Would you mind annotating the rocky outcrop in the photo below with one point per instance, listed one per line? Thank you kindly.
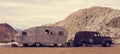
(102, 19)
(115, 22)
(6, 32)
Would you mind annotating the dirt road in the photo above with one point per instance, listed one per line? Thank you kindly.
(60, 50)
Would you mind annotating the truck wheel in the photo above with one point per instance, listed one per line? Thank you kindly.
(84, 44)
(25, 45)
(107, 44)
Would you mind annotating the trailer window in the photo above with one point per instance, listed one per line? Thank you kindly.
(60, 33)
(47, 31)
(52, 33)
(24, 33)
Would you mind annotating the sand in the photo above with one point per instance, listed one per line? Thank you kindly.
(60, 50)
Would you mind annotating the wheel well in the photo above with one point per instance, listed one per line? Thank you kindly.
(104, 42)
(108, 41)
(84, 42)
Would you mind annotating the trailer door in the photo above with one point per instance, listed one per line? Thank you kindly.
(53, 37)
(42, 35)
(61, 37)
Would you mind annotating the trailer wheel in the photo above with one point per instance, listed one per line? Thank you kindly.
(14, 45)
(38, 44)
(25, 45)
(55, 45)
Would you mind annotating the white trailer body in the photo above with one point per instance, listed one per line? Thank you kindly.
(42, 35)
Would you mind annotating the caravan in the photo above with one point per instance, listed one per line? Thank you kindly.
(42, 35)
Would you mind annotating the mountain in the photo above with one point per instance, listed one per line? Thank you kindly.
(6, 32)
(102, 19)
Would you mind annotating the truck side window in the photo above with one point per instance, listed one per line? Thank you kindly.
(60, 33)
(98, 34)
(95, 35)
(47, 31)
(24, 33)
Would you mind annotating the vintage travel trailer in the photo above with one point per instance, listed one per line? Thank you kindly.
(42, 35)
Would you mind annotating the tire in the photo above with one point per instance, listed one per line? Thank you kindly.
(107, 44)
(37, 44)
(84, 44)
(55, 45)
(14, 45)
(25, 45)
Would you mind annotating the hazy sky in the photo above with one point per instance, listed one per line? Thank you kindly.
(23, 14)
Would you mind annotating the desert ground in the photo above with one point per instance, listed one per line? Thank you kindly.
(61, 50)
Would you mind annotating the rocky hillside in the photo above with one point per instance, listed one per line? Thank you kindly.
(6, 32)
(103, 19)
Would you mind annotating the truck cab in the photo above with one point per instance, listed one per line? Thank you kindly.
(85, 38)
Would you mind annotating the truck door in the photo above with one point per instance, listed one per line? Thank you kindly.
(97, 38)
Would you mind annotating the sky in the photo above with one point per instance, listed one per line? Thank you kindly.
(22, 14)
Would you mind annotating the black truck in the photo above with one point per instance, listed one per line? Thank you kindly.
(85, 38)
